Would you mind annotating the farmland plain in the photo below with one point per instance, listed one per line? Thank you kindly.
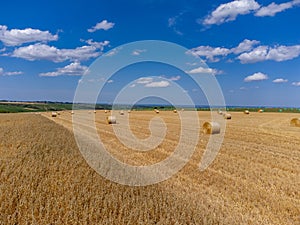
(255, 178)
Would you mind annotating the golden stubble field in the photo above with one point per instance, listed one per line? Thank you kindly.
(255, 178)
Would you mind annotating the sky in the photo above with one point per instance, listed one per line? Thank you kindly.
(251, 47)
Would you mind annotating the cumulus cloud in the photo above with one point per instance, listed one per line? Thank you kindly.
(213, 53)
(296, 84)
(273, 8)
(15, 37)
(263, 53)
(110, 81)
(150, 82)
(144, 80)
(280, 80)
(203, 70)
(103, 25)
(13, 73)
(256, 77)
(175, 78)
(73, 69)
(245, 46)
(248, 52)
(209, 53)
(258, 54)
(51, 53)
(229, 11)
(138, 51)
(162, 83)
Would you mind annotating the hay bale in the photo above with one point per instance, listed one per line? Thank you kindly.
(121, 112)
(211, 128)
(227, 116)
(128, 111)
(72, 112)
(175, 111)
(54, 114)
(105, 111)
(156, 111)
(246, 112)
(220, 112)
(111, 119)
(295, 122)
(261, 111)
(182, 109)
(58, 113)
(95, 111)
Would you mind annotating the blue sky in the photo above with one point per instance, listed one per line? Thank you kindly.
(252, 47)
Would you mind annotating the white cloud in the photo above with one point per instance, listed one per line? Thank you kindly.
(172, 23)
(209, 52)
(244, 46)
(296, 84)
(203, 70)
(229, 11)
(13, 73)
(112, 52)
(175, 78)
(73, 69)
(138, 51)
(263, 53)
(98, 45)
(110, 81)
(258, 54)
(155, 84)
(16, 37)
(283, 53)
(248, 52)
(144, 80)
(150, 82)
(256, 77)
(280, 80)
(103, 25)
(51, 53)
(274, 8)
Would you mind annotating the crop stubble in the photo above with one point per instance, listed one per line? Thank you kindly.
(254, 179)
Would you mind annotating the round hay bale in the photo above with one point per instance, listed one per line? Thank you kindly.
(121, 112)
(72, 112)
(156, 111)
(175, 111)
(261, 111)
(128, 111)
(211, 128)
(54, 114)
(111, 119)
(227, 116)
(295, 122)
(95, 111)
(220, 112)
(105, 111)
(246, 112)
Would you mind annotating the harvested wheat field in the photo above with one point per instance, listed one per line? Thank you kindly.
(255, 178)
